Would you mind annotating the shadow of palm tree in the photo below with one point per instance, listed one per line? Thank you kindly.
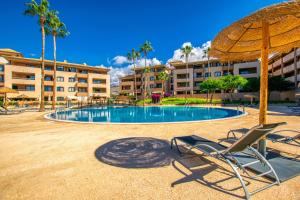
(135, 152)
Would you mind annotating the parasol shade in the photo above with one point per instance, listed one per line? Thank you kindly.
(243, 39)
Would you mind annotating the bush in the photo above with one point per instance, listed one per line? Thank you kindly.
(167, 94)
(155, 98)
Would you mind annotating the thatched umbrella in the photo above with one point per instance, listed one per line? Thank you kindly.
(5, 90)
(251, 97)
(274, 29)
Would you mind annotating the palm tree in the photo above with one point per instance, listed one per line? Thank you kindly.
(41, 10)
(145, 49)
(133, 56)
(206, 55)
(56, 28)
(163, 77)
(186, 51)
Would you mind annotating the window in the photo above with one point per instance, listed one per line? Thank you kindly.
(60, 79)
(97, 81)
(1, 79)
(158, 85)
(198, 75)
(152, 78)
(152, 70)
(197, 84)
(83, 72)
(217, 74)
(182, 76)
(152, 85)
(183, 84)
(101, 90)
(207, 74)
(71, 89)
(48, 88)
(82, 89)
(72, 69)
(60, 68)
(60, 89)
(1, 68)
(48, 78)
(60, 98)
(248, 70)
(81, 80)
(48, 68)
(72, 79)
(29, 87)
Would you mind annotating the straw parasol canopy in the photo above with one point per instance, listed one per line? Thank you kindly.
(274, 29)
(5, 90)
(22, 96)
(243, 39)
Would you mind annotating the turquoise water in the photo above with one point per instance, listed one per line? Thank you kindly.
(157, 114)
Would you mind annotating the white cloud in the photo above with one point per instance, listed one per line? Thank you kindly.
(117, 72)
(151, 62)
(120, 60)
(197, 53)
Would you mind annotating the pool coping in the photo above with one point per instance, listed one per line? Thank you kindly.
(47, 116)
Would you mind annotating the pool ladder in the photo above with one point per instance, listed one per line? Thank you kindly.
(242, 108)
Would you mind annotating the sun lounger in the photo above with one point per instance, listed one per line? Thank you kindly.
(4, 111)
(231, 155)
(275, 136)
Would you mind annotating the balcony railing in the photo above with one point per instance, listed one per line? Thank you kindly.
(24, 78)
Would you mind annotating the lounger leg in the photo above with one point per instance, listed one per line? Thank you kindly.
(247, 194)
(174, 141)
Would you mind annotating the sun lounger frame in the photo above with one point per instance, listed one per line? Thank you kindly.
(228, 156)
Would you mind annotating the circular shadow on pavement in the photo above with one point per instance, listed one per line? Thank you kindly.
(136, 152)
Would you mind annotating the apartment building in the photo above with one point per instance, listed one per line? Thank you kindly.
(126, 85)
(73, 80)
(287, 66)
(183, 80)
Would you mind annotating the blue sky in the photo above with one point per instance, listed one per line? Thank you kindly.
(103, 29)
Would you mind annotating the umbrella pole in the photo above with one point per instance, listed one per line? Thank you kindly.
(264, 83)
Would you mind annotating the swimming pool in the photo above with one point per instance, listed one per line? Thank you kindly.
(153, 114)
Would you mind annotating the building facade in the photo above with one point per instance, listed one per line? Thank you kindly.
(286, 66)
(74, 81)
(144, 81)
(183, 80)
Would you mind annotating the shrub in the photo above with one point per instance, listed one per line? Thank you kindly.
(155, 98)
(167, 94)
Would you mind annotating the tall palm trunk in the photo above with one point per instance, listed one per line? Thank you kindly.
(162, 89)
(134, 90)
(147, 87)
(145, 80)
(187, 73)
(54, 74)
(42, 103)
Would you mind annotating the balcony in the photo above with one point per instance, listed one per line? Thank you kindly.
(49, 72)
(81, 84)
(82, 94)
(82, 75)
(50, 83)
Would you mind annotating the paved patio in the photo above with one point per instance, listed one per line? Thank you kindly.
(42, 159)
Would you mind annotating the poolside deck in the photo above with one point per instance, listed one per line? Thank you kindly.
(42, 159)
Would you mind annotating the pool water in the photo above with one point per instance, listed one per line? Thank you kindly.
(155, 114)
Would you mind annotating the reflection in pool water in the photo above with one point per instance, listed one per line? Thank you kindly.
(155, 114)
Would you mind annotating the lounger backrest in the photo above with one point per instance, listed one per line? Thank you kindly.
(252, 136)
